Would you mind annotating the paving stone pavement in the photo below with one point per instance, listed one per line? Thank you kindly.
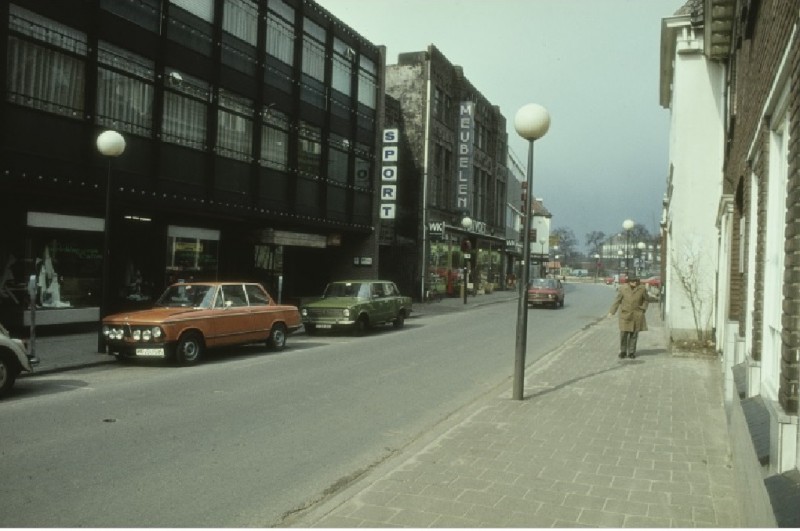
(596, 442)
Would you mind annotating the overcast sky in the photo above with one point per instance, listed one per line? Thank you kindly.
(594, 64)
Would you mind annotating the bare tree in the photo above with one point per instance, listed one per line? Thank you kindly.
(594, 241)
(690, 272)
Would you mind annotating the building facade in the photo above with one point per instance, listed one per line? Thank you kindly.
(252, 132)
(756, 47)
(455, 147)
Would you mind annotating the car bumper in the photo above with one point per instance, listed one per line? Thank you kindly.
(133, 350)
(329, 324)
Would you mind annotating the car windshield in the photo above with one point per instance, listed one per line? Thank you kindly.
(546, 283)
(187, 296)
(347, 289)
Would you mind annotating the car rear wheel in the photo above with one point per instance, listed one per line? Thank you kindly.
(8, 375)
(277, 337)
(189, 348)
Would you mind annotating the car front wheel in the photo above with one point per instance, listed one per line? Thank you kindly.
(277, 337)
(189, 349)
(8, 375)
(400, 320)
(361, 325)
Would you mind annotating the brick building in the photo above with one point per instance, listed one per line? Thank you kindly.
(756, 297)
(453, 157)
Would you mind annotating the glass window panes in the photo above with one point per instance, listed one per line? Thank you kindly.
(240, 19)
(184, 121)
(274, 140)
(200, 8)
(337, 165)
(235, 126)
(45, 79)
(367, 88)
(125, 90)
(280, 38)
(48, 74)
(313, 50)
(43, 29)
(310, 149)
(185, 111)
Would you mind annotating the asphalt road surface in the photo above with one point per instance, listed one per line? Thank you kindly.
(251, 437)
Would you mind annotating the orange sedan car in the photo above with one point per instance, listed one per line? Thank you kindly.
(190, 317)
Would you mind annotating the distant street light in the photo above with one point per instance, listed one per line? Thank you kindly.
(531, 122)
(596, 266)
(110, 144)
(627, 225)
(641, 246)
(466, 222)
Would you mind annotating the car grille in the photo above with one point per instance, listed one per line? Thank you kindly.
(324, 312)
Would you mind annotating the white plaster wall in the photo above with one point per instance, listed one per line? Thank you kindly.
(696, 143)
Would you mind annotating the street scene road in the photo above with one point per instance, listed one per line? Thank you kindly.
(250, 437)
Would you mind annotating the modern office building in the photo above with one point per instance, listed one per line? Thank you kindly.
(252, 133)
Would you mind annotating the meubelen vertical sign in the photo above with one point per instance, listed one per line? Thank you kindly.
(466, 133)
(389, 174)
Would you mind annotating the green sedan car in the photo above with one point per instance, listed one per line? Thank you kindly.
(356, 305)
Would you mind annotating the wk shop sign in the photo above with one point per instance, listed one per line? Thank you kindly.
(388, 205)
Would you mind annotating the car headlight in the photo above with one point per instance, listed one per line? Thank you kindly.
(157, 332)
(346, 312)
(137, 335)
(106, 330)
(304, 312)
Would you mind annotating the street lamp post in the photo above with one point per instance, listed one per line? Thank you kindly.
(596, 266)
(466, 222)
(641, 246)
(627, 225)
(110, 144)
(531, 122)
(542, 261)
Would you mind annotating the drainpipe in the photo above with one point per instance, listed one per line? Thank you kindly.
(425, 163)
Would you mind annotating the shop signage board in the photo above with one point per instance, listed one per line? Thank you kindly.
(388, 197)
(466, 133)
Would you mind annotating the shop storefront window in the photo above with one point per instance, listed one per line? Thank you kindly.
(192, 254)
(66, 260)
(445, 267)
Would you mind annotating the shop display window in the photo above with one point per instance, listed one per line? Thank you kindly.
(192, 254)
(66, 263)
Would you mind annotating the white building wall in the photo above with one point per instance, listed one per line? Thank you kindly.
(696, 156)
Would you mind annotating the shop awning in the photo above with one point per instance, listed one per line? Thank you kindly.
(553, 265)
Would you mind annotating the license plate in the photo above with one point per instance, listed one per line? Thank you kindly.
(323, 326)
(153, 352)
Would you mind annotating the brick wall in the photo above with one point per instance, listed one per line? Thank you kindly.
(762, 36)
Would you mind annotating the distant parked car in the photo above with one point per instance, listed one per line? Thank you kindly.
(190, 317)
(654, 281)
(356, 305)
(546, 292)
(653, 285)
(14, 360)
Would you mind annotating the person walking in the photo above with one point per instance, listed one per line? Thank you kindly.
(631, 301)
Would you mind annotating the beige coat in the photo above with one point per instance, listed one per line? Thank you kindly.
(632, 304)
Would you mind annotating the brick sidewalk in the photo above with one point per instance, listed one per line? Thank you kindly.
(596, 442)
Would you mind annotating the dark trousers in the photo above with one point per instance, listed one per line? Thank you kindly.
(627, 342)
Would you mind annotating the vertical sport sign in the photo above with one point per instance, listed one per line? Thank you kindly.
(388, 201)
(466, 134)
